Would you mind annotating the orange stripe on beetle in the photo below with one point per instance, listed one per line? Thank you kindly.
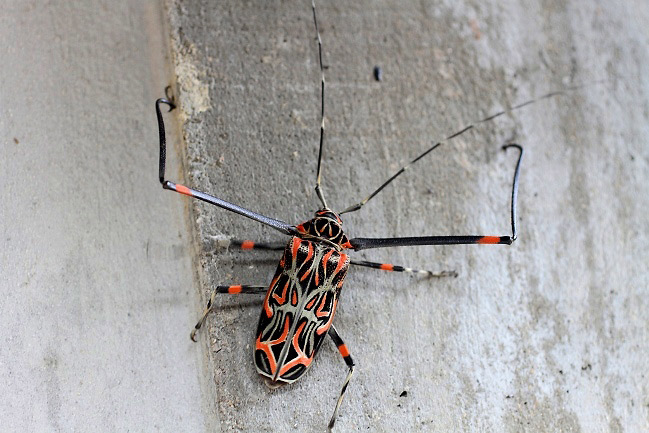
(387, 267)
(296, 247)
(306, 275)
(489, 240)
(234, 289)
(183, 190)
(310, 304)
(294, 299)
(247, 245)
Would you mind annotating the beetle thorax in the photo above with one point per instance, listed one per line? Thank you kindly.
(326, 226)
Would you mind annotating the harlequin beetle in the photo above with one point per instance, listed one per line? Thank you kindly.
(302, 297)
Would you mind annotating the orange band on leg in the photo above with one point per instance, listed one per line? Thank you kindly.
(247, 245)
(183, 190)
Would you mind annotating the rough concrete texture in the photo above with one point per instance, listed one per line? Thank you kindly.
(97, 288)
(549, 334)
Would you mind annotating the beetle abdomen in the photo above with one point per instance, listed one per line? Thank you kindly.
(298, 309)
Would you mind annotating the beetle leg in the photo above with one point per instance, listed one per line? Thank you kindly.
(252, 245)
(344, 352)
(272, 222)
(224, 289)
(396, 268)
(365, 243)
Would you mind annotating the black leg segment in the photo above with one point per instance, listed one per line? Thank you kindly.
(252, 245)
(162, 135)
(344, 352)
(232, 290)
(396, 268)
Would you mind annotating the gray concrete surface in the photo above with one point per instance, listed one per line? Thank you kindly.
(550, 334)
(98, 294)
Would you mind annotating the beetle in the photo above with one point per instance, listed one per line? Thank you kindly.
(301, 300)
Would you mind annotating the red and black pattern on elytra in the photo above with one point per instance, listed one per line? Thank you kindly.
(298, 309)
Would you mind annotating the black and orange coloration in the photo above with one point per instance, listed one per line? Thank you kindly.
(301, 300)
(299, 308)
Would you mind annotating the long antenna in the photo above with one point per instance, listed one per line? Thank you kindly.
(360, 204)
(365, 243)
(318, 188)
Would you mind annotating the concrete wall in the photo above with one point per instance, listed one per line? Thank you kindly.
(547, 335)
(97, 289)
(102, 275)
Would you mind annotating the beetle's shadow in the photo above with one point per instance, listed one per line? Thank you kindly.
(257, 261)
(231, 305)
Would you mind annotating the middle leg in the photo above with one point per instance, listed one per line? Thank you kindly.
(252, 245)
(232, 290)
(396, 268)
